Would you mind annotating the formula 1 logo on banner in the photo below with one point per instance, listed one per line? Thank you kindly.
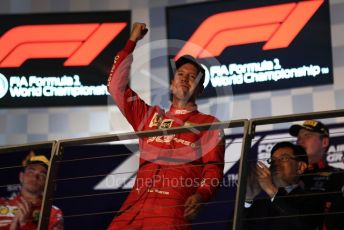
(278, 25)
(64, 61)
(80, 43)
(251, 46)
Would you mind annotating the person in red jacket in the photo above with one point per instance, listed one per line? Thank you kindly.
(23, 210)
(179, 172)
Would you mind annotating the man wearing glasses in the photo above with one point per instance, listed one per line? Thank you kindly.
(22, 211)
(324, 181)
(286, 204)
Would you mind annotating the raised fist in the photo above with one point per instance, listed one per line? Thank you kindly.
(138, 31)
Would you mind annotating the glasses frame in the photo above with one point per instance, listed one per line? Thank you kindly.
(283, 158)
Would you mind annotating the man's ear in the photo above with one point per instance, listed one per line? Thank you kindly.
(171, 83)
(199, 85)
(325, 142)
(21, 175)
(302, 166)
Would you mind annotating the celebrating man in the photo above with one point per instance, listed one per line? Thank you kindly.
(178, 172)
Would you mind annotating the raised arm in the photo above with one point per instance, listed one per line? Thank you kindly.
(130, 104)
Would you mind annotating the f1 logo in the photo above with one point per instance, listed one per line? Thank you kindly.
(79, 43)
(276, 25)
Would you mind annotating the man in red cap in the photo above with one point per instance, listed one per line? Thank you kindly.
(22, 211)
(319, 177)
(179, 172)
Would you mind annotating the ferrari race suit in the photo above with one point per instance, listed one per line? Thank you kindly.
(171, 167)
(9, 207)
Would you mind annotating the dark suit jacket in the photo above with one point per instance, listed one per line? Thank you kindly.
(288, 211)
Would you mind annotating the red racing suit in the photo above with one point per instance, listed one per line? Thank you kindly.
(9, 207)
(172, 167)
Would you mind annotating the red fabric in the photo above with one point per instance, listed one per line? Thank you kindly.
(321, 164)
(172, 167)
(8, 208)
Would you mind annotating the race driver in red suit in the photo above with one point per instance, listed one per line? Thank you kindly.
(22, 212)
(179, 172)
